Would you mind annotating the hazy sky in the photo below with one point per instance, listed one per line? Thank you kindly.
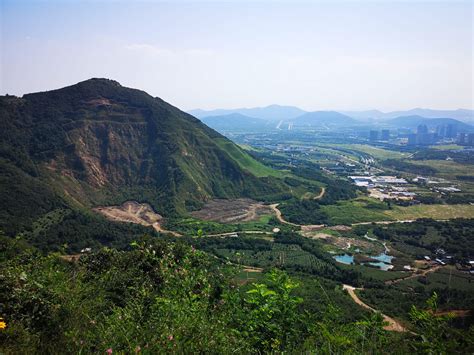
(315, 55)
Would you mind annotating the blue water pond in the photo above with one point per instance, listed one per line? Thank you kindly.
(384, 261)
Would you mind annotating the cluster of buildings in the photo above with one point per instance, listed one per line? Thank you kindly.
(446, 187)
(384, 187)
(374, 181)
(466, 139)
(442, 258)
(383, 135)
(424, 136)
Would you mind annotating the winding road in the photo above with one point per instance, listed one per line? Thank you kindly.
(321, 194)
(393, 325)
(279, 216)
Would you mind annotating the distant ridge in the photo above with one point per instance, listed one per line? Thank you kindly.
(464, 115)
(235, 121)
(318, 118)
(271, 113)
(414, 121)
(277, 113)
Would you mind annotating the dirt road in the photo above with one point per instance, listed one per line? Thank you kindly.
(278, 215)
(321, 194)
(393, 325)
(414, 275)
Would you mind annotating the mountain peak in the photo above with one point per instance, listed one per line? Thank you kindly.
(99, 80)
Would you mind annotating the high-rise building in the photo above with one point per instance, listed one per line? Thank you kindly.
(462, 138)
(425, 138)
(373, 136)
(441, 131)
(450, 131)
(385, 135)
(470, 139)
(422, 129)
(412, 139)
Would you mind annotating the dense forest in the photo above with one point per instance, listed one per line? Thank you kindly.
(170, 297)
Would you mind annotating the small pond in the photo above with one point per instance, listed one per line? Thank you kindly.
(384, 261)
(344, 259)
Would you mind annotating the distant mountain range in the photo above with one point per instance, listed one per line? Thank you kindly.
(236, 121)
(318, 118)
(271, 113)
(459, 114)
(413, 121)
(277, 113)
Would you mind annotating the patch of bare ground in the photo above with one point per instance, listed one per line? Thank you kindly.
(311, 228)
(71, 258)
(316, 235)
(346, 243)
(134, 212)
(232, 211)
(252, 269)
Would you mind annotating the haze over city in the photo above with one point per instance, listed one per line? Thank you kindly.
(399, 55)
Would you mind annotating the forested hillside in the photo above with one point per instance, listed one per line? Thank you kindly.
(169, 297)
(97, 142)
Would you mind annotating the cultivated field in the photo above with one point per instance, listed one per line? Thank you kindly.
(431, 211)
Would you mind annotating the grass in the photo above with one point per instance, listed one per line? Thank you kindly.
(245, 161)
(431, 211)
(447, 277)
(447, 168)
(279, 255)
(190, 226)
(374, 273)
(447, 147)
(376, 152)
(370, 210)
(357, 210)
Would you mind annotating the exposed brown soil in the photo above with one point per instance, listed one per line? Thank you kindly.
(232, 211)
(279, 216)
(316, 235)
(321, 194)
(71, 258)
(134, 212)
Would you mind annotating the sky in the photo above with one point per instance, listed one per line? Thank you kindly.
(341, 55)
